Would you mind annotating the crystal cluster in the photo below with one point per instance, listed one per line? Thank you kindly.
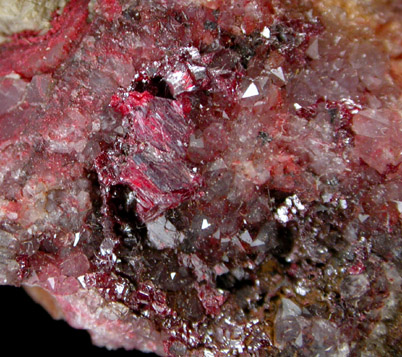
(211, 177)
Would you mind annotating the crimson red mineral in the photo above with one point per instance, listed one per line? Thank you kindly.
(211, 177)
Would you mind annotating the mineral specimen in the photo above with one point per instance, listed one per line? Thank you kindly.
(211, 177)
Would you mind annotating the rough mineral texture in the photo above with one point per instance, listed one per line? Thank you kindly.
(209, 178)
(26, 15)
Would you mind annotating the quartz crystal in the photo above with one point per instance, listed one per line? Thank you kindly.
(210, 177)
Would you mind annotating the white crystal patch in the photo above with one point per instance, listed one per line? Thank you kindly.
(266, 32)
(278, 72)
(205, 224)
(251, 91)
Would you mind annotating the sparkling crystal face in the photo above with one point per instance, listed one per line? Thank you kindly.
(209, 177)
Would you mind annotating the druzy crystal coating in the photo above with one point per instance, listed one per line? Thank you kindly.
(209, 178)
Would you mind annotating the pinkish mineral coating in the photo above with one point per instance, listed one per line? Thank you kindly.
(214, 179)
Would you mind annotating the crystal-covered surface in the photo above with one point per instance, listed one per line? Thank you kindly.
(209, 178)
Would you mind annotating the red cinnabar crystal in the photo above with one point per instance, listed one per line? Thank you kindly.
(209, 178)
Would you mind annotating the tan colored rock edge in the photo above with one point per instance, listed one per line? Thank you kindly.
(23, 15)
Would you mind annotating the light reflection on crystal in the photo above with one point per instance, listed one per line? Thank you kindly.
(251, 91)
